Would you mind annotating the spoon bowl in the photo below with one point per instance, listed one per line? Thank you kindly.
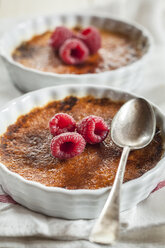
(134, 124)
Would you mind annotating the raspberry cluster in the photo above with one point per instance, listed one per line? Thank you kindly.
(75, 48)
(68, 143)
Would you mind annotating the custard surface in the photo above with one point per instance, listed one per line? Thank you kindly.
(25, 148)
(117, 51)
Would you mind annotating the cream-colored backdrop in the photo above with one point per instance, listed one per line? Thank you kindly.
(150, 13)
(24, 8)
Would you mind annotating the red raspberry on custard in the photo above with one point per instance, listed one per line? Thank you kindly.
(60, 35)
(67, 145)
(73, 51)
(93, 129)
(92, 38)
(61, 123)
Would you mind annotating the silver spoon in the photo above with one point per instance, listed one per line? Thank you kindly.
(133, 127)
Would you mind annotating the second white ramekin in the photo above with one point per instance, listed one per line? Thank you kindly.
(27, 79)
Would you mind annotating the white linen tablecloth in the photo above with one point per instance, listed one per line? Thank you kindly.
(20, 227)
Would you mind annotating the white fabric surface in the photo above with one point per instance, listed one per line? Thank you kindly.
(20, 227)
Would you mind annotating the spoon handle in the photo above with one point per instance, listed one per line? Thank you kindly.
(106, 228)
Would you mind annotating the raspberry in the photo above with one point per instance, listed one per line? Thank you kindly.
(73, 51)
(93, 129)
(59, 36)
(61, 123)
(92, 38)
(67, 145)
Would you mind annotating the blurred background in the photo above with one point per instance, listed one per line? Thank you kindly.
(149, 13)
(22, 8)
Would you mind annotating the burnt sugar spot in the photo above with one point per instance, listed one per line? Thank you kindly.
(68, 103)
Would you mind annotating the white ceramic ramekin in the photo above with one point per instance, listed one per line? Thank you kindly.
(27, 79)
(72, 204)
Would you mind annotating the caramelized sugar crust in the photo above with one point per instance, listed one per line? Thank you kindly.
(117, 51)
(25, 148)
